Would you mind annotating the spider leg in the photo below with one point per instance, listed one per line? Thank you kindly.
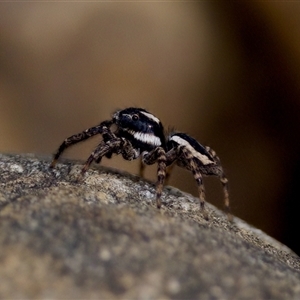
(101, 150)
(224, 181)
(76, 138)
(142, 168)
(107, 135)
(157, 155)
(104, 148)
(171, 157)
(192, 166)
(115, 145)
(201, 190)
(184, 158)
(128, 152)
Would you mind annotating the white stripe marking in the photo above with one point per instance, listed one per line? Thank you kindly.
(203, 158)
(147, 138)
(150, 116)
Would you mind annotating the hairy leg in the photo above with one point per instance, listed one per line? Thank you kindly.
(190, 164)
(184, 157)
(107, 135)
(218, 171)
(76, 138)
(113, 146)
(157, 155)
(224, 182)
(101, 150)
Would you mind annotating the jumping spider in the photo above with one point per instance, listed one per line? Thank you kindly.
(139, 133)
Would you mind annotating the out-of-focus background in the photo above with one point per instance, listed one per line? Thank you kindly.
(227, 73)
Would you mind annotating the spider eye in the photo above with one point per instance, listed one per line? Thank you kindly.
(135, 117)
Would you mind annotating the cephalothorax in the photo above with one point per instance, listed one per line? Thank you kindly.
(138, 133)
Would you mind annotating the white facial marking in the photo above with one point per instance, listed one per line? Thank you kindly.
(147, 138)
(150, 116)
(203, 158)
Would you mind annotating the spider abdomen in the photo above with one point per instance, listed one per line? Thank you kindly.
(195, 149)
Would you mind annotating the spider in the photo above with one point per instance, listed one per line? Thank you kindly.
(139, 133)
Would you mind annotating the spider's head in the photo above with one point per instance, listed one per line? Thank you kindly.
(141, 125)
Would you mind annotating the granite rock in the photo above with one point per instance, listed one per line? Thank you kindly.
(102, 237)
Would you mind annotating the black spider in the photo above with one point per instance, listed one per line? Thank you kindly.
(139, 133)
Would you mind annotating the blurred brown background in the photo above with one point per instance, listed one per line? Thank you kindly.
(226, 73)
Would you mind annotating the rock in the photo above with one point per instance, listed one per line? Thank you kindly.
(103, 237)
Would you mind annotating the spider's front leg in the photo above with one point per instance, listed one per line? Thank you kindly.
(157, 155)
(107, 135)
(107, 148)
(101, 150)
(79, 137)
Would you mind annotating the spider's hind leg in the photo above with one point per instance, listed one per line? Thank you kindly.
(224, 182)
(218, 171)
(187, 160)
(201, 190)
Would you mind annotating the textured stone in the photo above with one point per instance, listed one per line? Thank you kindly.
(103, 237)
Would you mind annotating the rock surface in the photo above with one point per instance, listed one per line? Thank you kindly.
(102, 237)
